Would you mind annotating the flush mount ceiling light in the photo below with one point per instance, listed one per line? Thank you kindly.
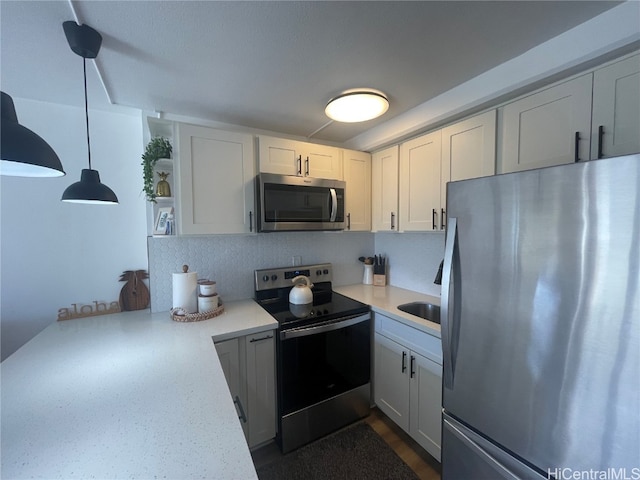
(357, 105)
(85, 41)
(24, 154)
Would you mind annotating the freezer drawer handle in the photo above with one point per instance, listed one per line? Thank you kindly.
(486, 456)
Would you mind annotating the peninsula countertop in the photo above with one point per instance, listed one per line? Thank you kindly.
(132, 395)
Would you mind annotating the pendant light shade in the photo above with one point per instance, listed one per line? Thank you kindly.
(24, 153)
(89, 190)
(357, 105)
(85, 41)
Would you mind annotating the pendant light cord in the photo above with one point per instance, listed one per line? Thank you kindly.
(86, 108)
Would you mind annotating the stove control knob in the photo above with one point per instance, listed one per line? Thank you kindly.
(274, 277)
(318, 272)
(326, 271)
(265, 278)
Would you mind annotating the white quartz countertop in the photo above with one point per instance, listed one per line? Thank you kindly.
(128, 395)
(385, 300)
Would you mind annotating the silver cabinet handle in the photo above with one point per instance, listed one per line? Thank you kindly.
(299, 165)
(242, 416)
(267, 337)
(306, 173)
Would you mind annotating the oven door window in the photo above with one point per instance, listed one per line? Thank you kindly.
(291, 203)
(319, 366)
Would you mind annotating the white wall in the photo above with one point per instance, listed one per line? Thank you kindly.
(54, 254)
(413, 259)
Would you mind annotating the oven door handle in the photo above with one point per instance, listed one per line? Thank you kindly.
(327, 327)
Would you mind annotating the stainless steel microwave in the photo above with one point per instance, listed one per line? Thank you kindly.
(290, 203)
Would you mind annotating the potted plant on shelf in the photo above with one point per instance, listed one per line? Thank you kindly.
(158, 147)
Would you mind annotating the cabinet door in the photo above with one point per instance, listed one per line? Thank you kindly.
(290, 157)
(384, 190)
(216, 181)
(279, 155)
(468, 150)
(545, 128)
(357, 174)
(420, 179)
(229, 355)
(426, 403)
(321, 161)
(391, 380)
(616, 109)
(261, 397)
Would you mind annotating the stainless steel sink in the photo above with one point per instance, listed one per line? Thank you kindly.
(425, 310)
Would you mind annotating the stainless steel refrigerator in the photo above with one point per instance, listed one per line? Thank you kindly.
(541, 324)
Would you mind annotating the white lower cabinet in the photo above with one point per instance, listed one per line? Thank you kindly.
(408, 380)
(249, 367)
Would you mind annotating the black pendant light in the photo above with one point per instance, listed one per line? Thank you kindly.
(24, 154)
(85, 41)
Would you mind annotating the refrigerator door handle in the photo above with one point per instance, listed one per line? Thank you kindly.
(449, 308)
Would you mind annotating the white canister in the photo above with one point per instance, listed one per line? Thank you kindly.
(367, 279)
(207, 303)
(206, 287)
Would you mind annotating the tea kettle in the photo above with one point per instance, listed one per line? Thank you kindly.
(301, 294)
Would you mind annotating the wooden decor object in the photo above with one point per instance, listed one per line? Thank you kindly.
(135, 294)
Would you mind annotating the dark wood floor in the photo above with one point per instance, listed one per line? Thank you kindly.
(423, 464)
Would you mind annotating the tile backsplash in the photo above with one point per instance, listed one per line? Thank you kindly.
(230, 260)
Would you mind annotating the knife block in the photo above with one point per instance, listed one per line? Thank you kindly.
(379, 275)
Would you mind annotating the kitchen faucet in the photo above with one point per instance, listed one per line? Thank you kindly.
(438, 280)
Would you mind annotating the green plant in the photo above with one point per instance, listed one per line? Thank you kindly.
(158, 147)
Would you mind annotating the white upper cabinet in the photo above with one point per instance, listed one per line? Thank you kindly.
(420, 183)
(550, 127)
(384, 190)
(357, 174)
(216, 178)
(291, 157)
(468, 151)
(616, 109)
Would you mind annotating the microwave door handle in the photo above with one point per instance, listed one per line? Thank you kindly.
(334, 204)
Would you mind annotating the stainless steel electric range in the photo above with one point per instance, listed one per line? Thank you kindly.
(323, 355)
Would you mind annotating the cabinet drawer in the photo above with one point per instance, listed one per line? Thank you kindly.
(417, 340)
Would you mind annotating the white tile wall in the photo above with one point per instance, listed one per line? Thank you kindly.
(231, 259)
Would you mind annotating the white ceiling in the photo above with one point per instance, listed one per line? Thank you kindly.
(271, 65)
